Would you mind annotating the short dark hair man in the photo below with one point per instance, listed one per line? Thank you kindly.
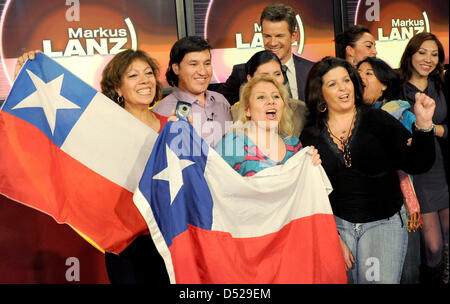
(190, 72)
(279, 30)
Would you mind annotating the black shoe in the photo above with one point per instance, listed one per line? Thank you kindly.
(431, 275)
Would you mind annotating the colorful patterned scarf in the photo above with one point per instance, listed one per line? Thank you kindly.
(400, 110)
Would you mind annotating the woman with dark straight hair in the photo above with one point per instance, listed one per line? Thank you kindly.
(355, 44)
(373, 68)
(382, 90)
(422, 71)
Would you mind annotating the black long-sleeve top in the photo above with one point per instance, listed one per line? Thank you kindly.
(370, 189)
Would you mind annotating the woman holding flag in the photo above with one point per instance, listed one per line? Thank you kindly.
(131, 80)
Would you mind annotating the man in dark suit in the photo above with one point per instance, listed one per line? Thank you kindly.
(279, 30)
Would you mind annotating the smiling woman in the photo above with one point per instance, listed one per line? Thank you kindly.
(131, 80)
(421, 72)
(361, 149)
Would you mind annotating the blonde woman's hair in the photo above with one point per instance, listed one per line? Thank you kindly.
(285, 126)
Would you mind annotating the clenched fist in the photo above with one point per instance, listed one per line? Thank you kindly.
(424, 110)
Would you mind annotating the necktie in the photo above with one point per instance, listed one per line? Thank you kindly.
(286, 81)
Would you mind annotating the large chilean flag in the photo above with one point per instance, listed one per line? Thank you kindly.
(72, 153)
(211, 225)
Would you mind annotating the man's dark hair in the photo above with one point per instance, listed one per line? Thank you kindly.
(279, 12)
(179, 50)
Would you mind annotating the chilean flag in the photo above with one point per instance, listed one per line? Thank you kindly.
(72, 153)
(211, 225)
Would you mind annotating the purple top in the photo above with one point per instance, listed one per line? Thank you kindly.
(209, 121)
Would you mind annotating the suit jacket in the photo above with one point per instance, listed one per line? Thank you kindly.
(230, 89)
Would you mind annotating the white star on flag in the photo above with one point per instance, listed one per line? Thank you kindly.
(173, 172)
(48, 97)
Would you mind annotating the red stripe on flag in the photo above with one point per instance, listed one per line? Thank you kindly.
(35, 172)
(305, 251)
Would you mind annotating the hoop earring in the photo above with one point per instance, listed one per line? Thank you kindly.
(322, 107)
(120, 100)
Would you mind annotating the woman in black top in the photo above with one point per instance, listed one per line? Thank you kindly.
(422, 70)
(361, 148)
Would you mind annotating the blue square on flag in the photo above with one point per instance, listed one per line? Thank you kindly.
(43, 98)
(173, 181)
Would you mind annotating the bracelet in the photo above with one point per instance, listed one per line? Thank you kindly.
(432, 128)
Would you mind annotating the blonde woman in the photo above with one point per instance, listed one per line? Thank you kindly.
(262, 136)
(267, 62)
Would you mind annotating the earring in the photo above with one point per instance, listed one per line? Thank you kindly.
(322, 107)
(120, 100)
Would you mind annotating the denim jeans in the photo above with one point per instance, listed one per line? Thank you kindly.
(378, 247)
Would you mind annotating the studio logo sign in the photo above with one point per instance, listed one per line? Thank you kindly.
(404, 29)
(86, 42)
(90, 41)
(400, 25)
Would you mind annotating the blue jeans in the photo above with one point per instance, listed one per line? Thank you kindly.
(378, 247)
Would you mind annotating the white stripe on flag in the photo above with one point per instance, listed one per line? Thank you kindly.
(146, 211)
(266, 202)
(110, 141)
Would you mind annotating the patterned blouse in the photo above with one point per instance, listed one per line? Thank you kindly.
(242, 154)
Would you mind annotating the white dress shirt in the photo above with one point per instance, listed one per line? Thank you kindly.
(292, 78)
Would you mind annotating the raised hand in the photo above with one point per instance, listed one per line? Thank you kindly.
(21, 60)
(424, 110)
